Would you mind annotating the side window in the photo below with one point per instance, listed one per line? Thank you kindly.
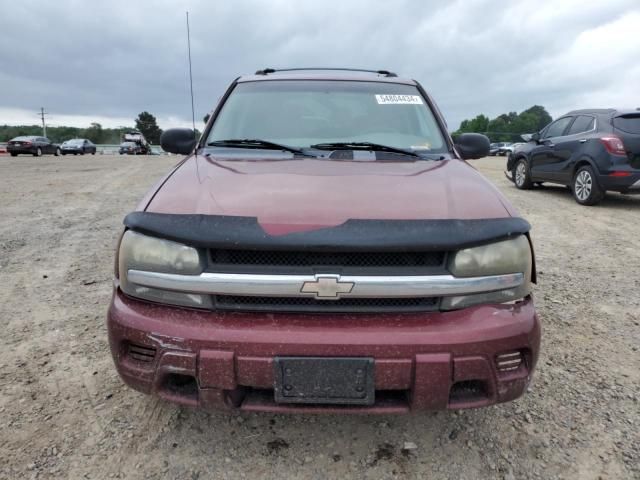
(556, 129)
(583, 123)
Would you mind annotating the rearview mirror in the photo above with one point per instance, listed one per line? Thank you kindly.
(178, 140)
(472, 145)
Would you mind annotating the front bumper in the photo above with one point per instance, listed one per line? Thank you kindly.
(218, 360)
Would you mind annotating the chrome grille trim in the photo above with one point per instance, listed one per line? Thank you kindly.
(293, 285)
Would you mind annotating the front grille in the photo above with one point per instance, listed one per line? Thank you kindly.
(308, 304)
(326, 259)
(284, 262)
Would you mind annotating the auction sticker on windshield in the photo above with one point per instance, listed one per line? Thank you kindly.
(399, 99)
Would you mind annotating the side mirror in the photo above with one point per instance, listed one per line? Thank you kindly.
(178, 140)
(472, 145)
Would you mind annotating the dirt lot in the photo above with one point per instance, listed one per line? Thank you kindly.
(64, 413)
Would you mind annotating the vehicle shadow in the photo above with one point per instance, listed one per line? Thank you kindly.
(612, 200)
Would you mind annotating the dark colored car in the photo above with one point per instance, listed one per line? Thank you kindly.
(78, 146)
(324, 247)
(130, 148)
(590, 151)
(32, 145)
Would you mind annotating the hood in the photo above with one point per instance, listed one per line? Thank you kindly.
(288, 195)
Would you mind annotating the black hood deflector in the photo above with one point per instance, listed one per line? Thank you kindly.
(220, 231)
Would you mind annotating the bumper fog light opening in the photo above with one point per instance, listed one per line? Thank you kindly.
(181, 385)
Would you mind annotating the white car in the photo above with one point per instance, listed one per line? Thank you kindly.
(509, 148)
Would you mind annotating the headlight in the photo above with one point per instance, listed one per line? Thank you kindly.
(508, 256)
(141, 252)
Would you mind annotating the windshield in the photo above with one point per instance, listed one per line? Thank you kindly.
(303, 113)
(75, 141)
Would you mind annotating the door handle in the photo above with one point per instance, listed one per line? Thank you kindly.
(583, 140)
(550, 144)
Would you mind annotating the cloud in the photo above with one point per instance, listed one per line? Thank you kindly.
(107, 61)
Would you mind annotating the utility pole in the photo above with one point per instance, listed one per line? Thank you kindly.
(44, 125)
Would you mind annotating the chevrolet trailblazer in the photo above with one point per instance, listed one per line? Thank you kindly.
(325, 247)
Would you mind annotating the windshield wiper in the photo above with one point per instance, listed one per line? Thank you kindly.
(363, 146)
(256, 143)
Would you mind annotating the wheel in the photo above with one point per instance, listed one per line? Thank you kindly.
(586, 189)
(38, 152)
(521, 176)
(13, 154)
(93, 153)
(57, 152)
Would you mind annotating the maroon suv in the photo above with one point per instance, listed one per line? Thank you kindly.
(325, 247)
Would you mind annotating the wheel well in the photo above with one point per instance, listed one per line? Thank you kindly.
(581, 163)
(515, 160)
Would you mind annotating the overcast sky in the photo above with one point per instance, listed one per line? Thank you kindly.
(90, 61)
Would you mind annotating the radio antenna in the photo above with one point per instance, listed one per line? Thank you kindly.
(193, 113)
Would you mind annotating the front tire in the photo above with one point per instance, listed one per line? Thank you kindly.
(57, 152)
(14, 154)
(521, 175)
(585, 187)
(38, 152)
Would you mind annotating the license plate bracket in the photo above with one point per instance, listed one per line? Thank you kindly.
(324, 380)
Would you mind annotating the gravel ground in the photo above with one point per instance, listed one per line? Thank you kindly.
(64, 413)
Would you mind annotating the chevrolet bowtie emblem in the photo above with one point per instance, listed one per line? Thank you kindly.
(327, 287)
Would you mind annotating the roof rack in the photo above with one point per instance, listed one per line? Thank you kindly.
(592, 110)
(266, 71)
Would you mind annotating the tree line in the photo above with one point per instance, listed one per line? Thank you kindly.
(145, 123)
(504, 128)
(95, 133)
(509, 126)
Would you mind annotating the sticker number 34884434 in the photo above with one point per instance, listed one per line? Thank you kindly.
(399, 99)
